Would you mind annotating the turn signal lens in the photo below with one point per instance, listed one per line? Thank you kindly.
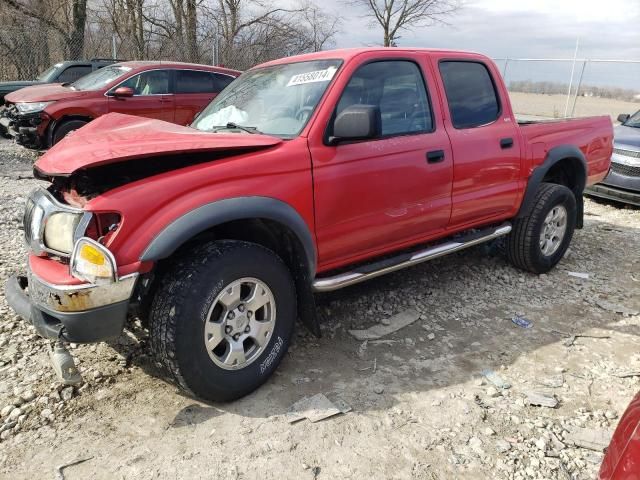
(92, 262)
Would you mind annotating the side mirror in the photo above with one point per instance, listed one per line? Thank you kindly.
(356, 122)
(123, 92)
(623, 117)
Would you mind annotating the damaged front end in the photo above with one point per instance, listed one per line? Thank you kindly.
(28, 129)
(72, 290)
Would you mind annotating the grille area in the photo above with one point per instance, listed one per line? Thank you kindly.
(626, 153)
(626, 170)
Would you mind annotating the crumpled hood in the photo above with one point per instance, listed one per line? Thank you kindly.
(47, 92)
(116, 137)
(629, 136)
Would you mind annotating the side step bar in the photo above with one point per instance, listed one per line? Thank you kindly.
(382, 267)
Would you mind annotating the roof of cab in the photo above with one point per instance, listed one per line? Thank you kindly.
(349, 53)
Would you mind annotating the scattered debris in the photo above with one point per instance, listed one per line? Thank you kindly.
(589, 438)
(431, 336)
(496, 379)
(521, 321)
(64, 365)
(572, 337)
(492, 392)
(555, 381)
(316, 408)
(58, 470)
(627, 374)
(614, 307)
(539, 399)
(584, 276)
(396, 322)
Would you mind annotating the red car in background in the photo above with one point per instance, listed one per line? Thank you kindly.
(40, 116)
(622, 460)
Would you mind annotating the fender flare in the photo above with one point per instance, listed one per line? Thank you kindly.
(555, 155)
(216, 213)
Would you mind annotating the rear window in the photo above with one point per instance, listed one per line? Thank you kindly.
(73, 73)
(471, 94)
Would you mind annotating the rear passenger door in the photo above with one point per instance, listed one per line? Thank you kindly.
(380, 194)
(153, 96)
(485, 142)
(194, 90)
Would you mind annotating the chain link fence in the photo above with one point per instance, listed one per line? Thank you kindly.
(549, 88)
(27, 51)
(557, 88)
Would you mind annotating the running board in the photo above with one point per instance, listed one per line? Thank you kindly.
(382, 267)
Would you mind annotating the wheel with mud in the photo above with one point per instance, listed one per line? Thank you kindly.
(65, 128)
(539, 240)
(221, 319)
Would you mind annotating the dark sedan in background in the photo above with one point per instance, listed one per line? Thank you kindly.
(63, 72)
(623, 181)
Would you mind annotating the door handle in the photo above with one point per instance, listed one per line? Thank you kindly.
(435, 156)
(506, 143)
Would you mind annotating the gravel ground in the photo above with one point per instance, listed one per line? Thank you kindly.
(421, 407)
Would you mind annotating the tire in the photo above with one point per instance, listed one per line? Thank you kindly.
(525, 247)
(65, 128)
(189, 304)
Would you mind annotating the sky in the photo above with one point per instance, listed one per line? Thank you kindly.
(526, 29)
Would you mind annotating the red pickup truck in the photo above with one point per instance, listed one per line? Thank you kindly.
(307, 174)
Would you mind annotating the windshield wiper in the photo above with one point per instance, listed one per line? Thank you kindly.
(232, 125)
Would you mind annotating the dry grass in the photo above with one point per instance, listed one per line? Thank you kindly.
(553, 105)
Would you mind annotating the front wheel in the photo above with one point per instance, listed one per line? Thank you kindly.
(222, 319)
(538, 241)
(65, 128)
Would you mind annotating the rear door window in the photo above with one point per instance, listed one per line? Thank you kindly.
(193, 81)
(471, 94)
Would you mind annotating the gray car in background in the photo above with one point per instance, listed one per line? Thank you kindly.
(622, 183)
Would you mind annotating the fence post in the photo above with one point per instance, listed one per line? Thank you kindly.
(504, 70)
(114, 50)
(573, 68)
(575, 98)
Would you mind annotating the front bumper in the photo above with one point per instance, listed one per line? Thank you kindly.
(622, 184)
(76, 313)
(27, 129)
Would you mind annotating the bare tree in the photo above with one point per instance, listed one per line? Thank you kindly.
(67, 17)
(395, 16)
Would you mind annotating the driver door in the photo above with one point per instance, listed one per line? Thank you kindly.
(380, 194)
(153, 96)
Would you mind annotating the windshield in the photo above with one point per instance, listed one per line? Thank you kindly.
(277, 100)
(100, 78)
(49, 74)
(634, 120)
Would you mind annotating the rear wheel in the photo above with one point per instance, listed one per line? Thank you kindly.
(539, 240)
(65, 128)
(222, 319)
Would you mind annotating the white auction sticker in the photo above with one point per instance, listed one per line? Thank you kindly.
(311, 77)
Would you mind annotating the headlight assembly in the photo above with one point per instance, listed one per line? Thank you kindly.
(59, 231)
(32, 107)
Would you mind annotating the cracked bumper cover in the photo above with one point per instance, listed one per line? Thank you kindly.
(87, 313)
